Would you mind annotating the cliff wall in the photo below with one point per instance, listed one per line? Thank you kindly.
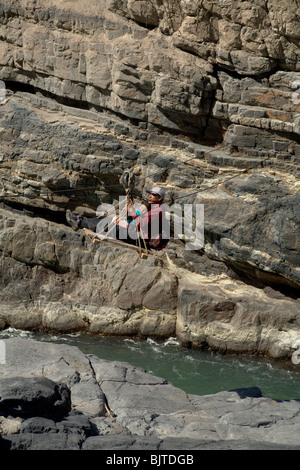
(196, 97)
(226, 71)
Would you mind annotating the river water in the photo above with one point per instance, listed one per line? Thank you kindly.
(196, 372)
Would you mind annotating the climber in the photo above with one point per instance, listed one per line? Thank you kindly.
(148, 221)
(154, 226)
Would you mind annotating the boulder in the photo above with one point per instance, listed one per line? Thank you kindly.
(260, 227)
(228, 319)
(34, 396)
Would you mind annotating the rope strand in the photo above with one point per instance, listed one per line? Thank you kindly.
(140, 179)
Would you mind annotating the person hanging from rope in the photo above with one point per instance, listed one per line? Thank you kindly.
(155, 228)
(152, 226)
(125, 227)
(147, 221)
(77, 221)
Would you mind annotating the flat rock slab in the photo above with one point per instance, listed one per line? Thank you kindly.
(119, 406)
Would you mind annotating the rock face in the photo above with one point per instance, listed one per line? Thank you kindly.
(56, 279)
(137, 85)
(190, 66)
(103, 416)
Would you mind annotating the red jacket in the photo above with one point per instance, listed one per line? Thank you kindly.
(154, 226)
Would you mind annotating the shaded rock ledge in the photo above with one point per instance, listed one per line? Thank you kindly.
(53, 397)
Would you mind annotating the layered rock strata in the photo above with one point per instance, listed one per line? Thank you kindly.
(227, 71)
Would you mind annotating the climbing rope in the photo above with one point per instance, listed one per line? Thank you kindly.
(128, 182)
(224, 181)
(145, 245)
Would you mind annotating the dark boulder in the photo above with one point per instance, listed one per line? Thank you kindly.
(36, 396)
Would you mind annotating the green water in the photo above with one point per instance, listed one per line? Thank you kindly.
(196, 372)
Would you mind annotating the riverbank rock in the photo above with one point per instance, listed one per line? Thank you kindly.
(117, 406)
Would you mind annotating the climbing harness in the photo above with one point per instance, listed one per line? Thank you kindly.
(128, 179)
(128, 182)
